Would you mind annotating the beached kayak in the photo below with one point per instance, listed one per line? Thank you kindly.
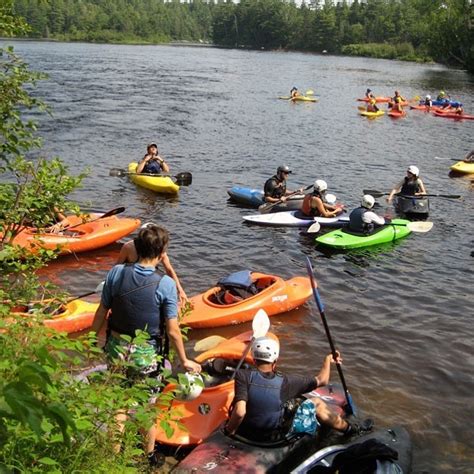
(254, 197)
(159, 184)
(72, 317)
(237, 297)
(463, 167)
(377, 99)
(294, 219)
(396, 114)
(89, 234)
(453, 115)
(355, 456)
(299, 98)
(412, 206)
(364, 113)
(199, 418)
(346, 239)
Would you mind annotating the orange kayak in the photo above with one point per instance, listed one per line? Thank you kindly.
(195, 423)
(86, 236)
(274, 295)
(73, 317)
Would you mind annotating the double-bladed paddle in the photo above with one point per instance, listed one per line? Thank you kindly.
(110, 213)
(260, 327)
(377, 194)
(317, 298)
(268, 206)
(182, 179)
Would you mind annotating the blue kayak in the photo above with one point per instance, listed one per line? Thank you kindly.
(444, 103)
(254, 197)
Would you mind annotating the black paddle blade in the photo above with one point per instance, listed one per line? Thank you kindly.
(117, 172)
(184, 179)
(113, 212)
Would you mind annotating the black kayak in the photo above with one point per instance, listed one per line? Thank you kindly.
(387, 451)
(412, 206)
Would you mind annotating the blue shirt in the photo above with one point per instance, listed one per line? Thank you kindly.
(166, 294)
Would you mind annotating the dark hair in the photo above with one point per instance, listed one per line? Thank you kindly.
(151, 241)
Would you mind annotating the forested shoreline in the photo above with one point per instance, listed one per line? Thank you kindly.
(414, 30)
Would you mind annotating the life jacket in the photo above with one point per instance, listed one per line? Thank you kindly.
(152, 167)
(274, 187)
(264, 410)
(356, 222)
(134, 305)
(306, 206)
(409, 187)
(236, 287)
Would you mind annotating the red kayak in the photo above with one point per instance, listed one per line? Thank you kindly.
(397, 114)
(454, 116)
(425, 108)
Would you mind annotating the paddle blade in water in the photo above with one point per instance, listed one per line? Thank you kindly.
(314, 228)
(420, 226)
(117, 172)
(184, 179)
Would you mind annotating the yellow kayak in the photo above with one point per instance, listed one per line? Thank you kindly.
(299, 98)
(157, 183)
(371, 114)
(463, 167)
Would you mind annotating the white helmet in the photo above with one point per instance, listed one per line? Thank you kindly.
(428, 97)
(320, 185)
(414, 170)
(190, 386)
(265, 349)
(146, 225)
(368, 201)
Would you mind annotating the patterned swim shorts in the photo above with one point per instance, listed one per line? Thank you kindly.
(305, 420)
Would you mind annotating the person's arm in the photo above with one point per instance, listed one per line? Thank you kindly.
(422, 188)
(370, 217)
(99, 318)
(174, 333)
(125, 255)
(237, 416)
(142, 163)
(324, 374)
(394, 191)
(171, 273)
(322, 209)
(164, 165)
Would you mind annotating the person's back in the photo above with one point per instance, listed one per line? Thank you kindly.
(362, 219)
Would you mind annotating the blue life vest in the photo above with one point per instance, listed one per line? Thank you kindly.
(409, 188)
(134, 305)
(356, 222)
(152, 167)
(265, 409)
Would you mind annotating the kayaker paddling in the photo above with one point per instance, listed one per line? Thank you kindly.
(266, 406)
(128, 254)
(140, 299)
(294, 92)
(368, 95)
(152, 162)
(372, 107)
(314, 204)
(411, 185)
(363, 220)
(275, 187)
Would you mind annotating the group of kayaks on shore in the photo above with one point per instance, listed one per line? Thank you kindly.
(442, 106)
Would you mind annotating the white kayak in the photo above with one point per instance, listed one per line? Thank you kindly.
(294, 219)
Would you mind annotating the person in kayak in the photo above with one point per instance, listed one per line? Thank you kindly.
(442, 96)
(459, 110)
(152, 163)
(267, 405)
(363, 220)
(128, 254)
(314, 204)
(411, 185)
(140, 299)
(469, 158)
(372, 106)
(294, 92)
(369, 95)
(396, 102)
(275, 187)
(428, 102)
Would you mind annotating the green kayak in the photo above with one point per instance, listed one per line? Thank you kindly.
(344, 239)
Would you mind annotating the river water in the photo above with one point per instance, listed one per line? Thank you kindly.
(401, 314)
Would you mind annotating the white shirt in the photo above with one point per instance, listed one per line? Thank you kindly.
(370, 217)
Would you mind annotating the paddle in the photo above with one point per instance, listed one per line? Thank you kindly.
(260, 327)
(377, 194)
(350, 407)
(208, 343)
(264, 208)
(417, 226)
(313, 228)
(309, 92)
(110, 213)
(182, 179)
(98, 290)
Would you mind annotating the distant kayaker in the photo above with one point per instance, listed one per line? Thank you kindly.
(372, 106)
(442, 96)
(459, 109)
(396, 102)
(128, 254)
(369, 95)
(294, 92)
(275, 187)
(152, 162)
(411, 185)
(363, 220)
(428, 102)
(469, 158)
(268, 405)
(140, 299)
(315, 205)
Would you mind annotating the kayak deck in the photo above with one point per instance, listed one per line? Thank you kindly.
(463, 167)
(293, 219)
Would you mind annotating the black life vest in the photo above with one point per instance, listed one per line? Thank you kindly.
(152, 167)
(356, 222)
(275, 187)
(410, 188)
(265, 410)
(134, 305)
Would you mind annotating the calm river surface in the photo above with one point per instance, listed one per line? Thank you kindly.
(401, 315)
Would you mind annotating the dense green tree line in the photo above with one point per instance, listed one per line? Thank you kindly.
(408, 29)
